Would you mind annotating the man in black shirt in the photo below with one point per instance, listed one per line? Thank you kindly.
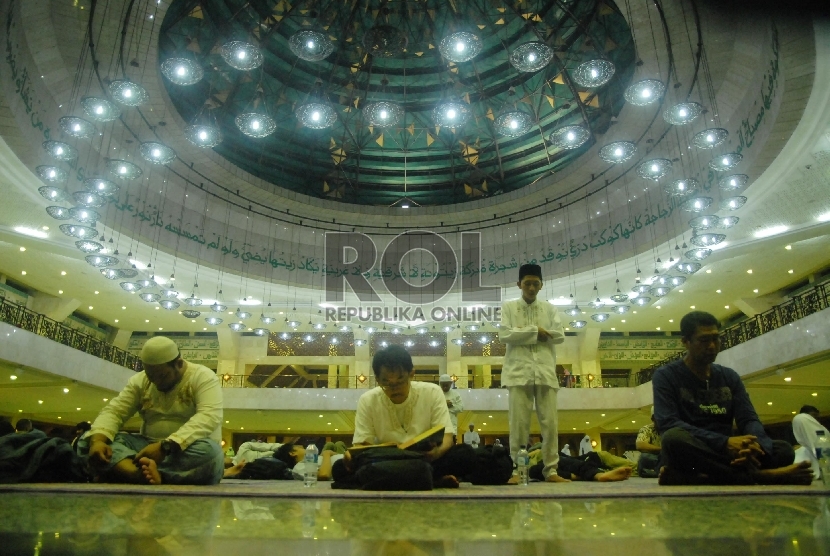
(695, 405)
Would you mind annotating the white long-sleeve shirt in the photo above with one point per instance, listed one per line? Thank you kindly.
(457, 407)
(192, 410)
(804, 430)
(528, 361)
(250, 451)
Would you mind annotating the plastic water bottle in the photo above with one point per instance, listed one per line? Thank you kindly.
(823, 456)
(310, 465)
(523, 463)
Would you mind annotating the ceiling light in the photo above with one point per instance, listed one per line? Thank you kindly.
(150, 297)
(727, 222)
(654, 169)
(725, 161)
(594, 73)
(157, 153)
(241, 55)
(30, 232)
(696, 204)
(76, 127)
(531, 56)
(84, 215)
(450, 114)
(710, 138)
(774, 230)
(732, 203)
(316, 115)
(824, 217)
(51, 174)
(182, 71)
(99, 109)
(60, 151)
(600, 317)
(570, 137)
(682, 187)
(460, 46)
(641, 300)
(682, 113)
(203, 135)
(129, 286)
(707, 239)
(513, 123)
(706, 222)
(312, 46)
(213, 321)
(645, 92)
(236, 326)
(617, 152)
(128, 93)
(100, 186)
(578, 323)
(382, 113)
(254, 124)
(169, 304)
(123, 169)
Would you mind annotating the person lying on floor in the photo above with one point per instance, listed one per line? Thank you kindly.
(588, 467)
(180, 404)
(695, 404)
(399, 409)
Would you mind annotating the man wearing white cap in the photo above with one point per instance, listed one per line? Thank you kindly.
(180, 404)
(454, 403)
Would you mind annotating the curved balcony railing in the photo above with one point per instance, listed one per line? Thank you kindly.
(21, 317)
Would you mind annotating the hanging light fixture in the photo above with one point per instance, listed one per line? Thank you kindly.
(78, 231)
(460, 46)
(169, 304)
(641, 300)
(203, 135)
(706, 222)
(513, 123)
(100, 261)
(645, 92)
(110, 273)
(145, 283)
(190, 313)
(688, 268)
(262, 331)
(100, 109)
(123, 169)
(681, 187)
(683, 113)
(51, 174)
(677, 281)
(696, 204)
(128, 93)
(129, 286)
(241, 55)
(53, 194)
(242, 315)
(60, 150)
(58, 213)
(640, 288)
(157, 153)
(382, 113)
(594, 73)
(150, 297)
(311, 46)
(255, 124)
(725, 161)
(531, 56)
(596, 304)
(218, 308)
(574, 311)
(698, 254)
(101, 186)
(316, 114)
(193, 301)
(76, 127)
(89, 199)
(707, 239)
(732, 203)
(88, 246)
(659, 291)
(710, 138)
(182, 71)
(621, 309)
(600, 317)
(578, 323)
(654, 169)
(570, 137)
(451, 114)
(213, 321)
(733, 182)
(236, 326)
(169, 293)
(617, 152)
(727, 222)
(84, 215)
(266, 320)
(619, 297)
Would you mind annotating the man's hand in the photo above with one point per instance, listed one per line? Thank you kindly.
(152, 451)
(100, 453)
(434, 454)
(746, 446)
(543, 335)
(449, 403)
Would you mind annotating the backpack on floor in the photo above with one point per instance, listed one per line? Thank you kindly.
(493, 466)
(384, 468)
(266, 469)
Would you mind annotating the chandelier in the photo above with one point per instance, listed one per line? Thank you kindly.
(241, 55)
(150, 297)
(311, 46)
(100, 261)
(89, 199)
(203, 135)
(80, 232)
(51, 193)
(683, 113)
(157, 153)
(706, 222)
(60, 150)
(316, 115)
(100, 109)
(77, 127)
(735, 181)
(696, 204)
(128, 93)
(123, 169)
(88, 246)
(710, 138)
(58, 213)
(688, 268)
(578, 323)
(101, 186)
(732, 203)
(460, 47)
(256, 125)
(129, 286)
(514, 123)
(84, 215)
(51, 173)
(645, 92)
(182, 71)
(725, 161)
(682, 187)
(654, 169)
(237, 326)
(213, 321)
(570, 137)
(190, 313)
(600, 317)
(382, 113)
(618, 152)
(450, 114)
(169, 304)
(698, 254)
(727, 222)
(594, 73)
(707, 239)
(531, 56)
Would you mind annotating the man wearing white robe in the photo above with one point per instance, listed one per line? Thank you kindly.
(454, 403)
(805, 425)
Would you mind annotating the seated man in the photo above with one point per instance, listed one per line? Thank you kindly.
(399, 409)
(805, 425)
(695, 405)
(648, 444)
(181, 406)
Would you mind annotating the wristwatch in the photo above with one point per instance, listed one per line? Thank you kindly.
(169, 447)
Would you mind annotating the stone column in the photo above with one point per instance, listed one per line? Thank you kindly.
(228, 351)
(589, 355)
(332, 376)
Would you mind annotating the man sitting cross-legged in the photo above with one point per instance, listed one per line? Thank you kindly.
(695, 404)
(180, 404)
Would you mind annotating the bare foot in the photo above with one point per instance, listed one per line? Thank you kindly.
(795, 474)
(554, 478)
(150, 471)
(447, 481)
(618, 474)
(233, 472)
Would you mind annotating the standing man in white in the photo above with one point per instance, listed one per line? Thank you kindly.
(531, 328)
(454, 403)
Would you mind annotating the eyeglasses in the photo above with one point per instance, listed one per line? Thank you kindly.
(393, 386)
(705, 340)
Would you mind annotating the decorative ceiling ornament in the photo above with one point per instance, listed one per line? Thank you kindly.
(123, 169)
(698, 254)
(733, 182)
(213, 321)
(710, 138)
(659, 291)
(640, 288)
(51, 193)
(129, 286)
(733, 203)
(169, 304)
(696, 204)
(600, 317)
(266, 320)
(707, 239)
(641, 300)
(241, 55)
(574, 311)
(683, 113)
(77, 127)
(645, 92)
(51, 174)
(385, 41)
(78, 231)
(110, 273)
(100, 261)
(578, 323)
(621, 309)
(60, 150)
(193, 301)
(242, 315)
(100, 109)
(706, 222)
(218, 308)
(681, 187)
(531, 56)
(311, 46)
(316, 115)
(688, 268)
(725, 161)
(84, 215)
(619, 297)
(727, 222)
(460, 46)
(514, 123)
(89, 199)
(58, 213)
(203, 135)
(262, 331)
(570, 137)
(182, 71)
(150, 297)
(451, 114)
(594, 73)
(255, 124)
(654, 169)
(88, 246)
(157, 153)
(128, 93)
(169, 293)
(101, 186)
(617, 152)
(382, 113)
(237, 326)
(190, 313)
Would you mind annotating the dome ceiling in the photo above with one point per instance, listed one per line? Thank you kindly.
(390, 52)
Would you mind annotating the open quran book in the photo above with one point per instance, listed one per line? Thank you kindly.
(424, 442)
